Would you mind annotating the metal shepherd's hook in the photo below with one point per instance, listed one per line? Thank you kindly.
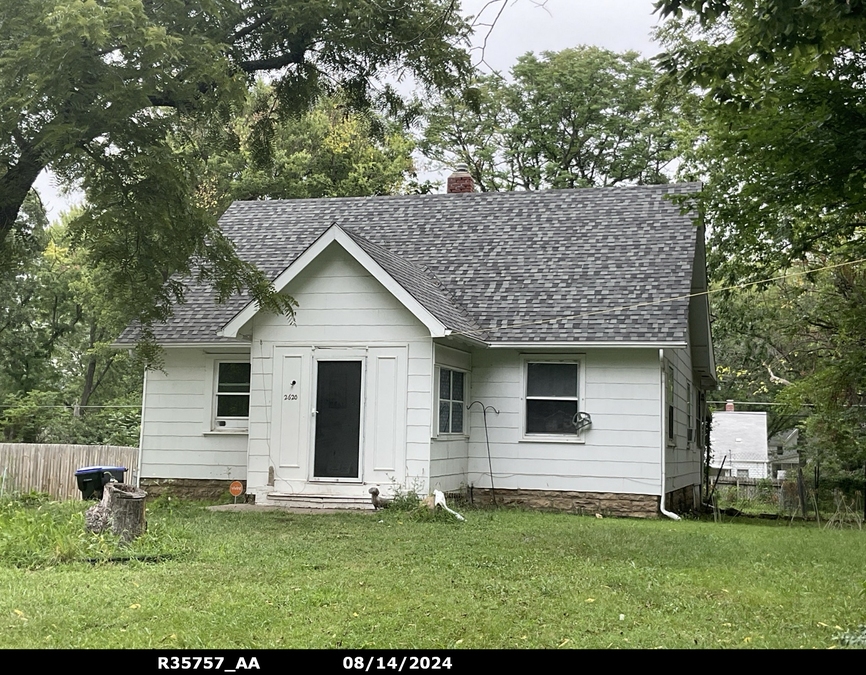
(484, 409)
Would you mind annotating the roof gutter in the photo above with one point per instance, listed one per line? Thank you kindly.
(663, 436)
(586, 344)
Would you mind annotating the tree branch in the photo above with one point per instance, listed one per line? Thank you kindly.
(273, 63)
(255, 25)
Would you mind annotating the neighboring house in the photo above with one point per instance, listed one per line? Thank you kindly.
(738, 443)
(414, 313)
(784, 454)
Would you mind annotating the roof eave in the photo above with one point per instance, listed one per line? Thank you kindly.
(587, 344)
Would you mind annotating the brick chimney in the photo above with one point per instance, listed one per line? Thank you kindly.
(460, 180)
(729, 405)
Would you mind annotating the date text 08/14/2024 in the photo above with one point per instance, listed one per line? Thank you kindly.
(396, 663)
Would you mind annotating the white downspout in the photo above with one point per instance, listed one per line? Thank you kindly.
(664, 389)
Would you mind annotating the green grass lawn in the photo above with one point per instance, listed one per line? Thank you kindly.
(502, 579)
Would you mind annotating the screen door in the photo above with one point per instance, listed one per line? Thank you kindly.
(338, 419)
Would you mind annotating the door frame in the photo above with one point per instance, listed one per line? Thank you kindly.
(337, 354)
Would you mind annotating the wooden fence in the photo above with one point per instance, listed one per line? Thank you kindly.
(51, 468)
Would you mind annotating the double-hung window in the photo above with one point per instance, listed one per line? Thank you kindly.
(552, 397)
(232, 404)
(452, 397)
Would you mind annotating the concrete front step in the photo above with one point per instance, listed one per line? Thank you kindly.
(310, 501)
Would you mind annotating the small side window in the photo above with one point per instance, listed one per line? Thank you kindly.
(451, 401)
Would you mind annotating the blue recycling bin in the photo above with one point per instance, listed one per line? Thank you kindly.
(90, 479)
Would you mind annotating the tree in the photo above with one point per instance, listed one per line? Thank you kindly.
(94, 88)
(60, 379)
(577, 118)
(759, 347)
(746, 35)
(56, 359)
(330, 151)
(779, 137)
(779, 142)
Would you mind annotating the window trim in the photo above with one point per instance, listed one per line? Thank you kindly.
(690, 416)
(213, 425)
(670, 401)
(450, 434)
(570, 359)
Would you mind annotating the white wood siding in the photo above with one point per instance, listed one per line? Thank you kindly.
(621, 451)
(176, 439)
(683, 457)
(341, 306)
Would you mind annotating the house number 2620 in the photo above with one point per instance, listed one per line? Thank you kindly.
(290, 397)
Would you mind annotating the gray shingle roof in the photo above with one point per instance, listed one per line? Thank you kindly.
(500, 265)
(422, 285)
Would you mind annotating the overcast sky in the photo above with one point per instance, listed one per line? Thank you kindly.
(536, 26)
(523, 26)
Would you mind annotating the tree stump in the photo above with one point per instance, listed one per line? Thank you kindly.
(121, 509)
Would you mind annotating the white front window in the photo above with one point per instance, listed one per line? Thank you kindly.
(232, 395)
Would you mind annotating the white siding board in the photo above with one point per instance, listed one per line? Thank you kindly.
(201, 458)
(418, 400)
(616, 391)
(166, 387)
(418, 417)
(420, 384)
(170, 414)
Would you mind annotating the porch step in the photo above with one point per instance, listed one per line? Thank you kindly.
(340, 502)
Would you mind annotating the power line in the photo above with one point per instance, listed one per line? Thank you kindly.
(799, 405)
(70, 407)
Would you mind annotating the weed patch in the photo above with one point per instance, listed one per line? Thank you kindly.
(37, 533)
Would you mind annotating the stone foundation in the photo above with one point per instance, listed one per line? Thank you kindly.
(682, 500)
(192, 488)
(583, 503)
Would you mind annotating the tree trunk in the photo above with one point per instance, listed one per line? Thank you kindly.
(121, 509)
(14, 186)
(126, 506)
(90, 371)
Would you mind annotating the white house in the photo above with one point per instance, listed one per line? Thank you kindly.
(576, 318)
(738, 443)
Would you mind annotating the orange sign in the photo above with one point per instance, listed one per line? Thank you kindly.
(236, 488)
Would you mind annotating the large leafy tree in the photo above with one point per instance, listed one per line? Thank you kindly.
(56, 360)
(94, 89)
(60, 379)
(581, 117)
(330, 151)
(781, 120)
(779, 141)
